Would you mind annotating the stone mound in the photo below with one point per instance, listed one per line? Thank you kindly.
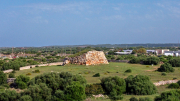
(89, 58)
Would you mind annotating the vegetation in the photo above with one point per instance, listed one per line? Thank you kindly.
(96, 75)
(114, 87)
(3, 78)
(140, 85)
(128, 71)
(175, 62)
(172, 95)
(21, 81)
(173, 85)
(94, 89)
(80, 53)
(11, 75)
(166, 68)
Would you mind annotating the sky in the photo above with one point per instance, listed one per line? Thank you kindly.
(79, 22)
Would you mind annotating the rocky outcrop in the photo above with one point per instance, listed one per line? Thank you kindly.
(89, 58)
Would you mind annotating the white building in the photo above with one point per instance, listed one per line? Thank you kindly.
(151, 51)
(172, 53)
(125, 52)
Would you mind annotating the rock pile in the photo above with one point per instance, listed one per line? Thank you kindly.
(89, 58)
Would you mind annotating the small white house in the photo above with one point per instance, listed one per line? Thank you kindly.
(125, 52)
(172, 53)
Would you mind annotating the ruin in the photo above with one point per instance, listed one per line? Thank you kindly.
(89, 58)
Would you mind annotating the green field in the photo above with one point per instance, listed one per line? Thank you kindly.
(112, 69)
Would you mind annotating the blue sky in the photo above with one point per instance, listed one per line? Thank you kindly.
(78, 22)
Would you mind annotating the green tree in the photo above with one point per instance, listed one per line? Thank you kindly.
(26, 98)
(166, 68)
(140, 85)
(11, 75)
(172, 95)
(114, 87)
(3, 78)
(22, 81)
(141, 50)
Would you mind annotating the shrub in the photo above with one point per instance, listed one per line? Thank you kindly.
(36, 66)
(26, 98)
(128, 71)
(57, 87)
(22, 81)
(135, 60)
(11, 75)
(163, 74)
(13, 71)
(140, 85)
(28, 74)
(145, 99)
(94, 89)
(173, 85)
(96, 75)
(151, 60)
(37, 71)
(114, 87)
(166, 68)
(172, 95)
(3, 78)
(133, 99)
(178, 82)
(175, 62)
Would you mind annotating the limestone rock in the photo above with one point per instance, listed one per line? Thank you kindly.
(89, 58)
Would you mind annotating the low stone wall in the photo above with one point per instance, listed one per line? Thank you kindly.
(8, 71)
(32, 66)
(165, 82)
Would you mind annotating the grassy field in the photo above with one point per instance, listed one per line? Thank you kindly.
(112, 69)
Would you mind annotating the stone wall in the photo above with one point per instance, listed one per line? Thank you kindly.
(32, 66)
(165, 82)
(89, 58)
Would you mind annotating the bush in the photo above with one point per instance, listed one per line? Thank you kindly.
(11, 75)
(22, 81)
(172, 95)
(151, 60)
(114, 87)
(128, 71)
(3, 78)
(178, 82)
(175, 62)
(140, 85)
(163, 74)
(58, 86)
(37, 71)
(28, 74)
(94, 89)
(173, 85)
(96, 75)
(166, 68)
(13, 71)
(133, 99)
(145, 99)
(135, 60)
